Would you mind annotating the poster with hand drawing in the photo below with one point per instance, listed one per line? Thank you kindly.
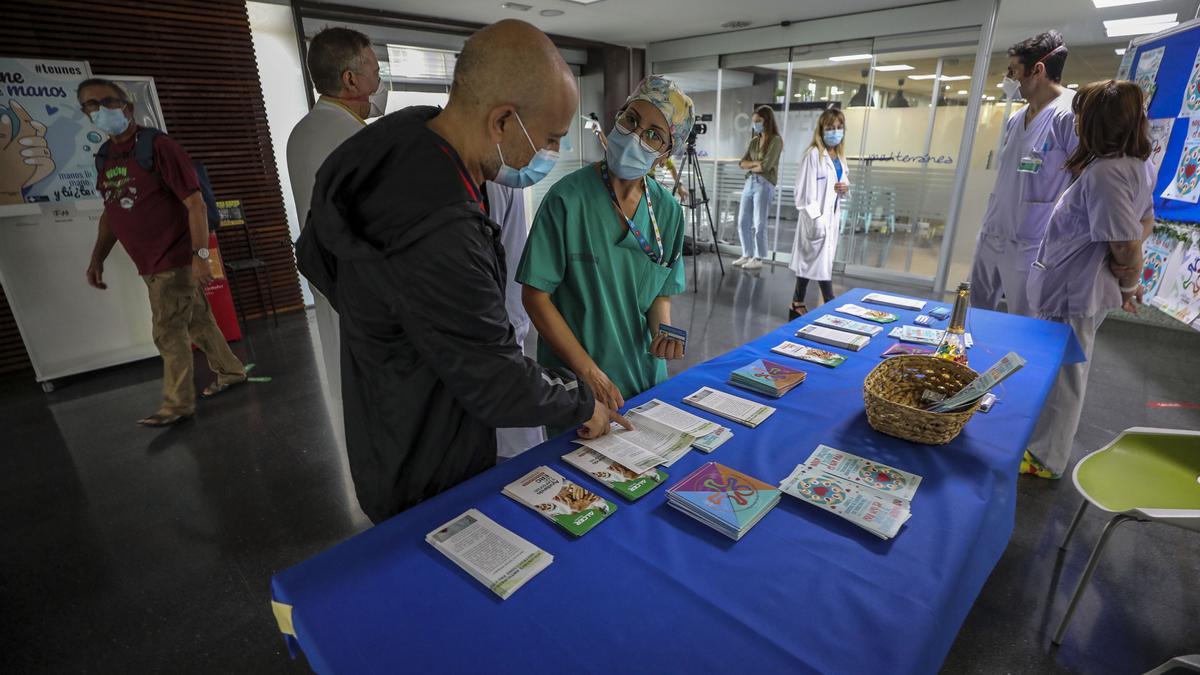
(1185, 185)
(46, 142)
(1126, 63)
(1156, 251)
(1191, 95)
(1146, 76)
(1160, 136)
(1179, 294)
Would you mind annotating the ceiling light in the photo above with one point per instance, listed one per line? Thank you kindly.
(892, 68)
(921, 77)
(1073, 85)
(551, 12)
(735, 24)
(1120, 52)
(1140, 25)
(517, 7)
(989, 98)
(955, 78)
(1102, 4)
(824, 98)
(852, 57)
(962, 92)
(584, 2)
(1000, 86)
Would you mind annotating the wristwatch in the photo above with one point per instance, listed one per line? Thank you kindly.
(201, 253)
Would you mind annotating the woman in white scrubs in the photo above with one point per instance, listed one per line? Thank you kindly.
(762, 164)
(1090, 260)
(821, 187)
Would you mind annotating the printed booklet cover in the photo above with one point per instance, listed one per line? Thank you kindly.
(849, 325)
(868, 509)
(767, 377)
(495, 557)
(876, 315)
(572, 507)
(708, 435)
(725, 499)
(810, 354)
(629, 484)
(834, 337)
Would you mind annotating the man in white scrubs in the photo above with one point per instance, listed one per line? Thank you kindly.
(345, 71)
(507, 207)
(1037, 141)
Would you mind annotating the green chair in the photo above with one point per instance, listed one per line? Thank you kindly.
(1144, 475)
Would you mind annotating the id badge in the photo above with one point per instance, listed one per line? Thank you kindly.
(1030, 165)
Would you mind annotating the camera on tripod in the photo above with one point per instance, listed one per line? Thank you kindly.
(698, 129)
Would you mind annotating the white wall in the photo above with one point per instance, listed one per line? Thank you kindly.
(283, 93)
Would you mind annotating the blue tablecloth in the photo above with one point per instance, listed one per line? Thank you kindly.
(652, 591)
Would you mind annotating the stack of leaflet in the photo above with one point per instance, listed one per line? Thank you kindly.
(730, 407)
(924, 336)
(572, 507)
(648, 445)
(629, 484)
(812, 354)
(849, 325)
(726, 500)
(495, 557)
(894, 301)
(968, 395)
(708, 436)
(873, 496)
(833, 337)
(767, 377)
(878, 316)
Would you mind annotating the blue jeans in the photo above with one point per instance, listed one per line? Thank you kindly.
(757, 196)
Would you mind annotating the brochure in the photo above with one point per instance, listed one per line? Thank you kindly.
(1001, 370)
(812, 354)
(628, 484)
(876, 513)
(878, 316)
(730, 407)
(902, 349)
(849, 325)
(495, 557)
(834, 338)
(725, 499)
(571, 507)
(924, 336)
(767, 377)
(709, 435)
(864, 472)
(647, 446)
(894, 301)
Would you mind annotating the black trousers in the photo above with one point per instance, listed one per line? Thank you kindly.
(802, 289)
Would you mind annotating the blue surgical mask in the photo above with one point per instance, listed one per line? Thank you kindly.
(833, 137)
(111, 121)
(538, 168)
(757, 127)
(626, 156)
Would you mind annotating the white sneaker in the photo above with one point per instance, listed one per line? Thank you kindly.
(753, 264)
(741, 261)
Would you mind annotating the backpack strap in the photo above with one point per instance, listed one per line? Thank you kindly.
(143, 147)
(102, 158)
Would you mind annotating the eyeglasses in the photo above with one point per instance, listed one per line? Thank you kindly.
(652, 139)
(112, 102)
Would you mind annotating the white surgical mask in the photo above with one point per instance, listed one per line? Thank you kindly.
(378, 100)
(1012, 88)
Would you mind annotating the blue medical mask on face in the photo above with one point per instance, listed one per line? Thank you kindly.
(757, 127)
(833, 137)
(539, 166)
(627, 158)
(111, 121)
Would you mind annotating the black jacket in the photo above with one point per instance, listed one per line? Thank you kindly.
(415, 269)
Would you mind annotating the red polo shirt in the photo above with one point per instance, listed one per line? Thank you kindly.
(146, 211)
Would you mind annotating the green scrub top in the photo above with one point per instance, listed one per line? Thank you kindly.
(581, 253)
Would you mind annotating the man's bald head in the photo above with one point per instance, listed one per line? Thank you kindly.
(511, 62)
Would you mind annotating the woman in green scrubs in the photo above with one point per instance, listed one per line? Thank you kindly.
(605, 253)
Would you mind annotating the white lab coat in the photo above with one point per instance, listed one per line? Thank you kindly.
(313, 138)
(819, 221)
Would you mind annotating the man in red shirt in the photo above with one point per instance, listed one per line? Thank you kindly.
(160, 218)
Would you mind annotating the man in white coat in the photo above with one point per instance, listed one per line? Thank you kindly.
(507, 207)
(1030, 177)
(345, 71)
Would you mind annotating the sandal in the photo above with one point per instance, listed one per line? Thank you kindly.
(218, 388)
(797, 310)
(162, 420)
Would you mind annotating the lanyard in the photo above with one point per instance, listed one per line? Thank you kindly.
(472, 188)
(656, 258)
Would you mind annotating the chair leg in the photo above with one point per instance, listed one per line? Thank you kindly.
(237, 306)
(1074, 524)
(271, 295)
(1087, 572)
(1191, 662)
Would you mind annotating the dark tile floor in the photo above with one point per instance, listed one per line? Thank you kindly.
(127, 549)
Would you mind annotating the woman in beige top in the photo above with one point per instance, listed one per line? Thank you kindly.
(762, 163)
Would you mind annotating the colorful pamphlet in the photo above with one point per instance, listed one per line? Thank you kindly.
(864, 472)
(875, 315)
(672, 333)
(874, 512)
(572, 507)
(495, 557)
(901, 349)
(849, 325)
(629, 484)
(924, 336)
(708, 435)
(806, 353)
(726, 500)
(940, 313)
(894, 301)
(833, 338)
(730, 407)
(767, 377)
(1001, 370)
(648, 445)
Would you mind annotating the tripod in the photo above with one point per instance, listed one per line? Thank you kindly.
(695, 200)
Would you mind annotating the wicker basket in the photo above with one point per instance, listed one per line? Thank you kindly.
(892, 394)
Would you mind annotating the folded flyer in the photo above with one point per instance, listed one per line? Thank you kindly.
(767, 377)
(1006, 366)
(849, 325)
(730, 407)
(708, 435)
(902, 349)
(878, 316)
(833, 338)
(495, 557)
(876, 513)
(648, 445)
(894, 301)
(924, 336)
(812, 354)
(864, 472)
(572, 507)
(628, 484)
